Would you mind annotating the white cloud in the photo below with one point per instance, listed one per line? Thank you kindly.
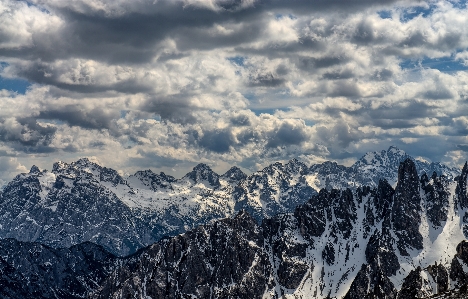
(176, 83)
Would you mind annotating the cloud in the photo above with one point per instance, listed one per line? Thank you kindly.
(172, 83)
(288, 133)
(26, 134)
(218, 141)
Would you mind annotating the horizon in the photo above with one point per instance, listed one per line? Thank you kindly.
(183, 172)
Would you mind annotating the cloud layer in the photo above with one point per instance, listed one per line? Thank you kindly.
(168, 84)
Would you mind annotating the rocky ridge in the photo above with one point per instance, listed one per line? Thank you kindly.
(83, 201)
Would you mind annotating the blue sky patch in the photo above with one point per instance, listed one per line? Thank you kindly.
(413, 12)
(238, 60)
(444, 64)
(385, 14)
(16, 85)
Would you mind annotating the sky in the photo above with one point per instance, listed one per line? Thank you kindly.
(168, 84)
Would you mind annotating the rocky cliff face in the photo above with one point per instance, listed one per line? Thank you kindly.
(222, 260)
(368, 242)
(32, 270)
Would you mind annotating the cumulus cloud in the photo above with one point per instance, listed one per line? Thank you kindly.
(247, 82)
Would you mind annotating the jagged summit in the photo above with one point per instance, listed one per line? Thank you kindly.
(203, 173)
(234, 174)
(34, 169)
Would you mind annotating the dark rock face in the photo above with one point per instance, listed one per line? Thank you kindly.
(437, 198)
(412, 286)
(380, 254)
(31, 270)
(460, 260)
(288, 256)
(224, 260)
(462, 197)
(370, 283)
(311, 216)
(461, 191)
(383, 200)
(406, 208)
(440, 276)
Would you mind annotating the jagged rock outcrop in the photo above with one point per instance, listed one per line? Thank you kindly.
(222, 260)
(436, 190)
(32, 270)
(406, 209)
(341, 243)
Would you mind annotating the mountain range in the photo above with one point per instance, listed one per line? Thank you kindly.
(83, 201)
(393, 231)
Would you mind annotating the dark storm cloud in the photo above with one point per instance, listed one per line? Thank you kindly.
(75, 115)
(240, 120)
(266, 80)
(345, 89)
(26, 135)
(43, 73)
(133, 36)
(218, 141)
(287, 134)
(307, 6)
(382, 75)
(249, 135)
(171, 108)
(339, 135)
(364, 34)
(457, 127)
(337, 75)
(408, 110)
(310, 63)
(437, 92)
